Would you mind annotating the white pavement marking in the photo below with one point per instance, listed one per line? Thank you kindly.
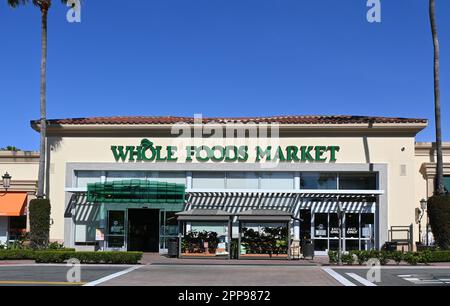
(360, 279)
(111, 276)
(338, 277)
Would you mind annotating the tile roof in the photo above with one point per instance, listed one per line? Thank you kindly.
(126, 120)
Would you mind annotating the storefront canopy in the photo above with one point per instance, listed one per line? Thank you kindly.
(203, 215)
(136, 191)
(264, 215)
(13, 204)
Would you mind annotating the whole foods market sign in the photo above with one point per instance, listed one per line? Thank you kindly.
(146, 151)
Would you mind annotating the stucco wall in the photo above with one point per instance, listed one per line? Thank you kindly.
(396, 152)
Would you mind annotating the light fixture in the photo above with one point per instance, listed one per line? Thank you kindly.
(423, 204)
(6, 181)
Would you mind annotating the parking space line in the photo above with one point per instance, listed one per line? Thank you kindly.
(40, 283)
(342, 280)
(111, 276)
(361, 280)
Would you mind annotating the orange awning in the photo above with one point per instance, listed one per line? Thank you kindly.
(12, 204)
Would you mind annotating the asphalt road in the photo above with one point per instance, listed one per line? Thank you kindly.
(53, 275)
(219, 275)
(393, 276)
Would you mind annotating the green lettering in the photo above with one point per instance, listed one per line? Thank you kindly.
(243, 153)
(221, 150)
(228, 150)
(291, 153)
(279, 155)
(119, 154)
(319, 152)
(333, 150)
(306, 153)
(171, 151)
(260, 153)
(190, 150)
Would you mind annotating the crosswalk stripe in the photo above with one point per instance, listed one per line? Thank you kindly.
(362, 280)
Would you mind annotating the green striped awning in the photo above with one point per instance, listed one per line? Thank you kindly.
(136, 191)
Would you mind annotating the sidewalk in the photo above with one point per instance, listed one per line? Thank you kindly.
(158, 259)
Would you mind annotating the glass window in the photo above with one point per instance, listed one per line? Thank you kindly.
(208, 180)
(334, 225)
(85, 177)
(170, 177)
(305, 224)
(352, 225)
(358, 181)
(320, 245)
(447, 183)
(351, 245)
(242, 180)
(367, 226)
(321, 225)
(264, 238)
(125, 175)
(171, 228)
(277, 180)
(205, 238)
(315, 180)
(334, 244)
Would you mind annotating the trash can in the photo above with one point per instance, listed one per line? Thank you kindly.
(391, 246)
(172, 247)
(308, 249)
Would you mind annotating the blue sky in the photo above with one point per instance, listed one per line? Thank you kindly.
(222, 58)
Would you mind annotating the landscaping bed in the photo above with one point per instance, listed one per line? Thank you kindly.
(384, 257)
(62, 255)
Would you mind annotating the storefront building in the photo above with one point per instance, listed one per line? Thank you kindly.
(134, 183)
(21, 186)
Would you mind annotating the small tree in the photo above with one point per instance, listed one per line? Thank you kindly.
(39, 212)
(439, 215)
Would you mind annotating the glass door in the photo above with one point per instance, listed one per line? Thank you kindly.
(116, 230)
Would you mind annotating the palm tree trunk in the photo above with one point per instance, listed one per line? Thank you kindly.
(437, 102)
(41, 174)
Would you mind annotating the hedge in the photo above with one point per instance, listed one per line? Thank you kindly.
(440, 256)
(439, 215)
(412, 258)
(16, 254)
(60, 256)
(88, 257)
(39, 213)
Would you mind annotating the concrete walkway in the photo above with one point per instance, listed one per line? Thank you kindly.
(223, 275)
(157, 259)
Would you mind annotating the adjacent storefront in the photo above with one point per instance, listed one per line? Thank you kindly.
(135, 183)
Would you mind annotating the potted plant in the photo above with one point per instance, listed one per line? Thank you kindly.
(213, 242)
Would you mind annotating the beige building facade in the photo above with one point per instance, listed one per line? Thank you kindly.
(307, 167)
(22, 167)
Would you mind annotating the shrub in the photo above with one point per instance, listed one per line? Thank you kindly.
(89, 257)
(348, 258)
(397, 256)
(383, 257)
(439, 215)
(412, 258)
(362, 256)
(439, 256)
(332, 257)
(39, 212)
(16, 254)
(425, 257)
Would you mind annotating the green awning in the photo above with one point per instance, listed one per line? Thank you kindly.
(136, 191)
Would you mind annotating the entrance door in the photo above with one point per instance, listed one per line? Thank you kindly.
(143, 230)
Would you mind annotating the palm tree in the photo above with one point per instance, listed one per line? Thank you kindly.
(44, 6)
(440, 190)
